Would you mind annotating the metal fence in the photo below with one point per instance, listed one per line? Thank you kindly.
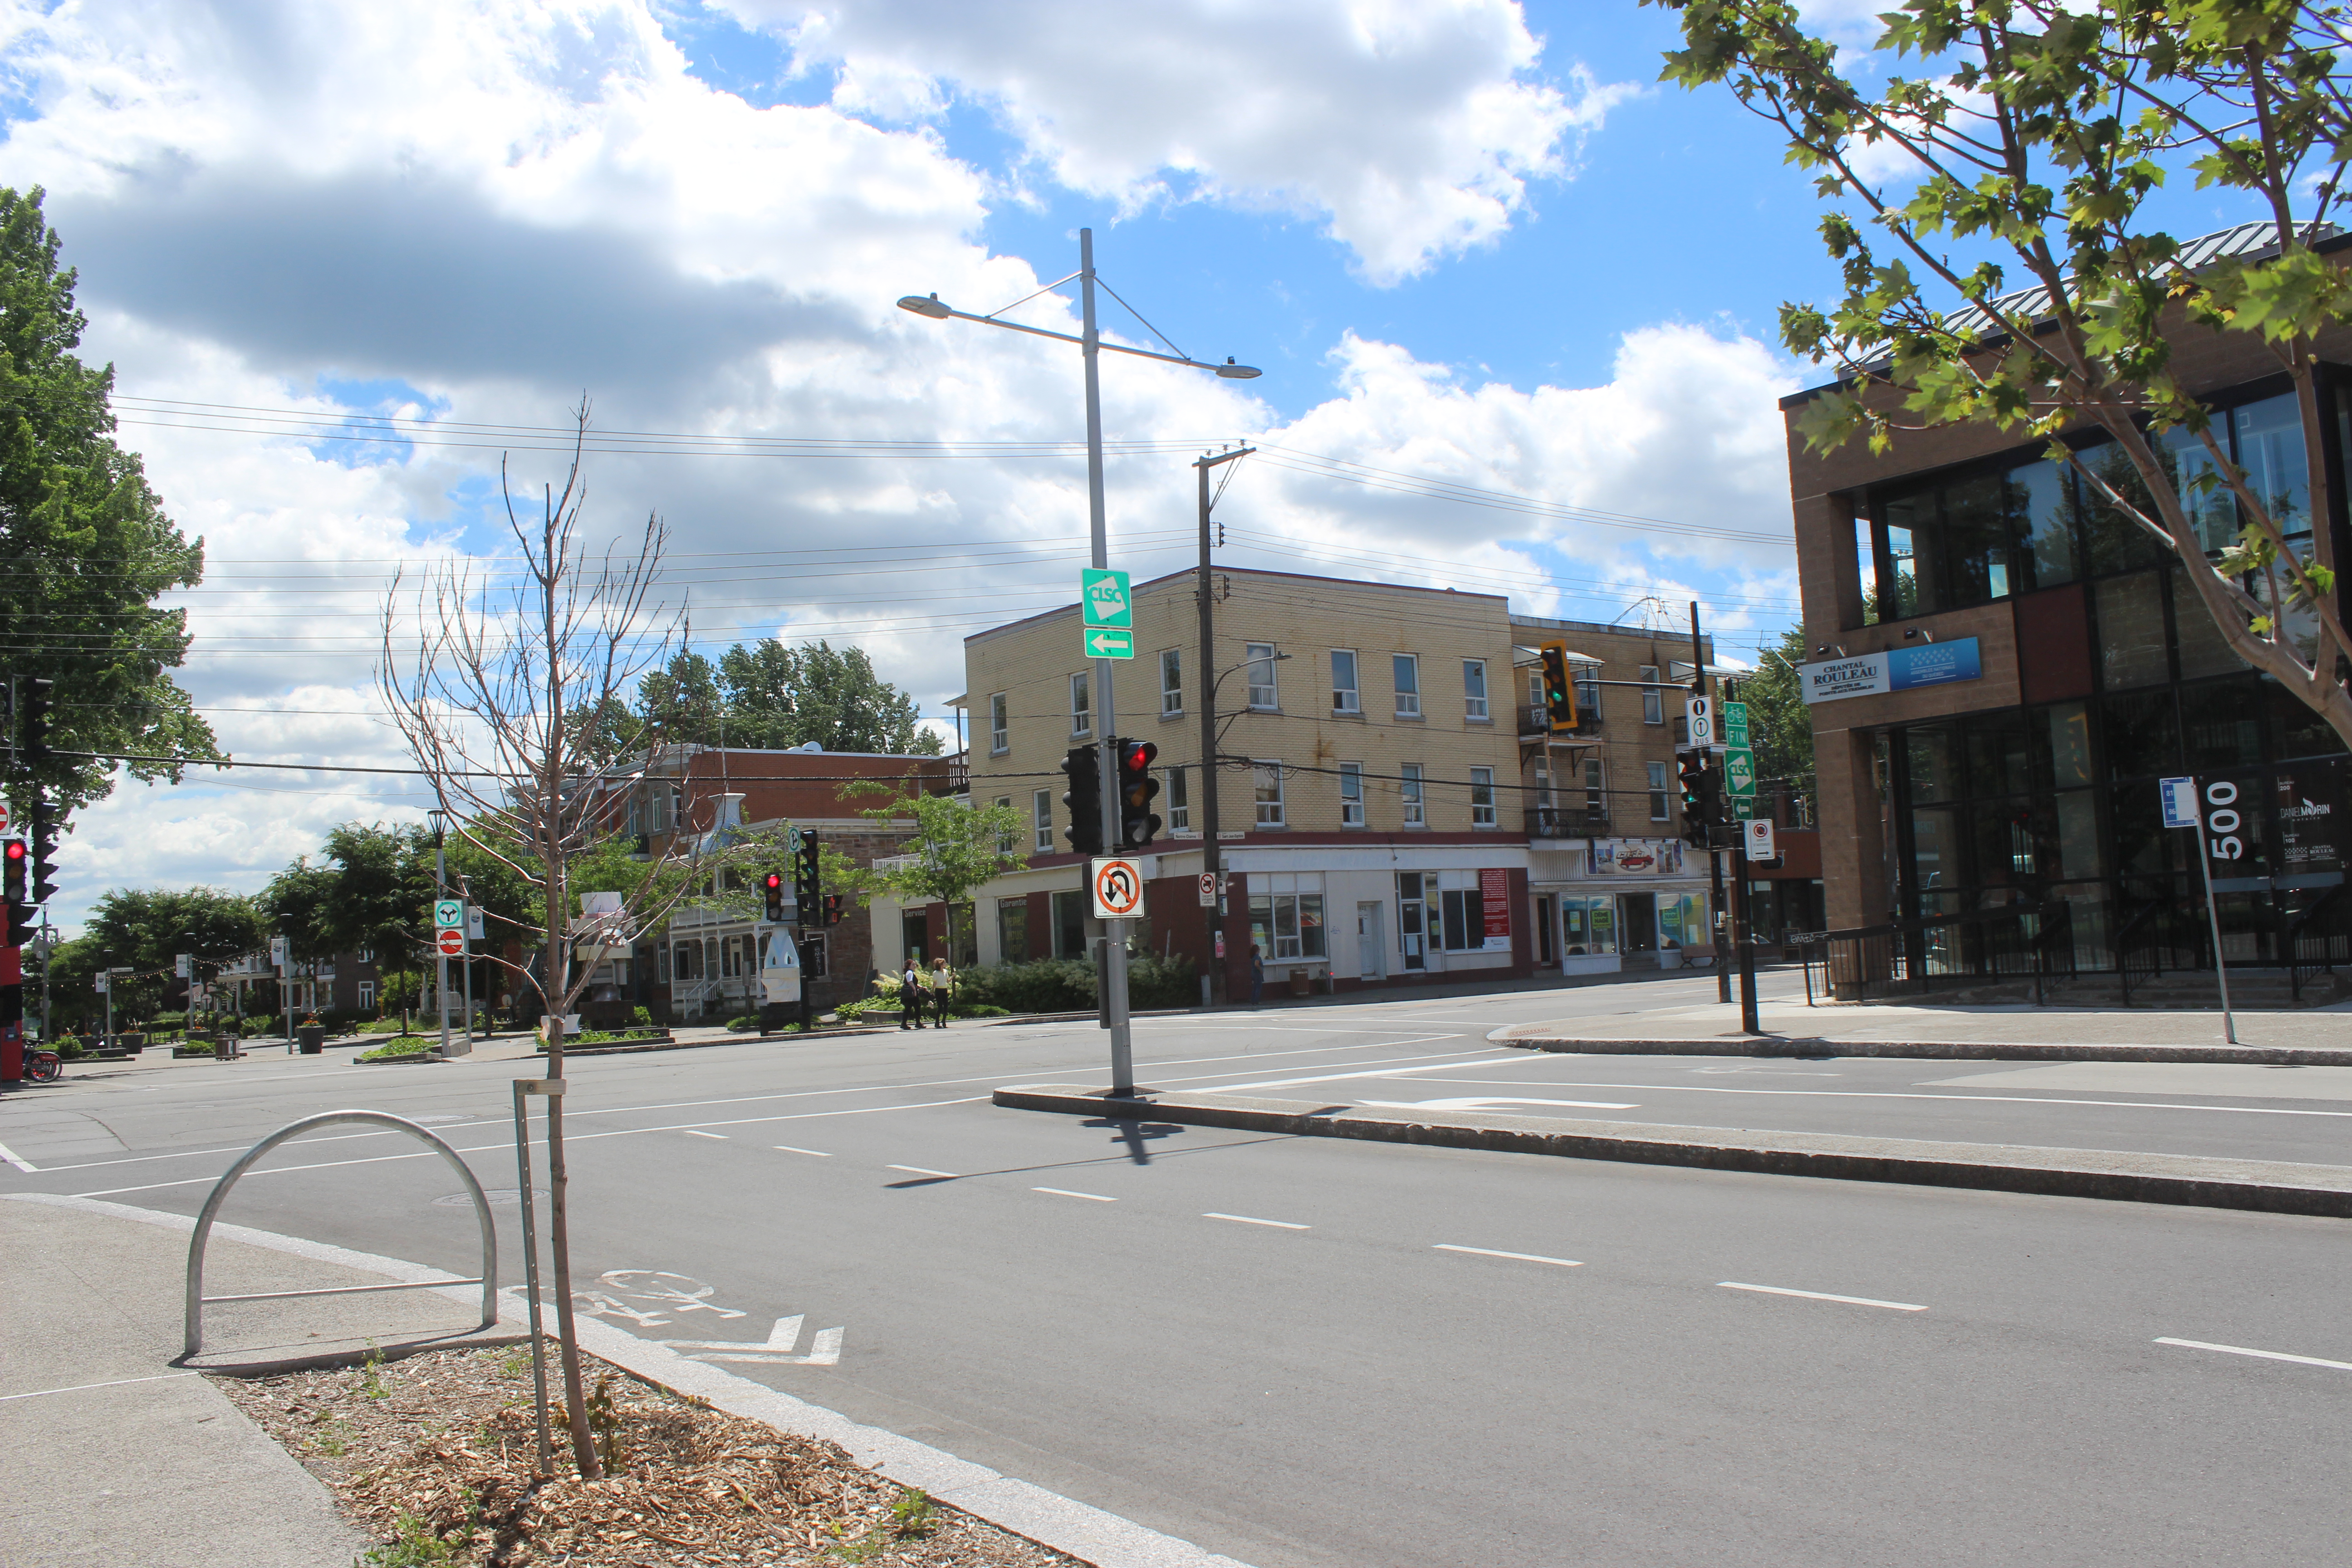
(1948, 952)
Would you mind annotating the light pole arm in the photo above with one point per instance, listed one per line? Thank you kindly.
(938, 312)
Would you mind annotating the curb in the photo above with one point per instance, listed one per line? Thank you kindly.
(2261, 1185)
(1093, 1535)
(745, 1038)
(1953, 1050)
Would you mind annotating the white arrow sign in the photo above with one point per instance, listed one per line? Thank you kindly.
(824, 1350)
(449, 914)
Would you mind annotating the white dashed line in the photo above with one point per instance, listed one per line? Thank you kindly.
(918, 1170)
(699, 1133)
(1819, 1296)
(1244, 1219)
(1522, 1256)
(2265, 1355)
(788, 1148)
(1065, 1193)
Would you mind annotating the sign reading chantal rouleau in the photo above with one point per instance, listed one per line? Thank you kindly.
(1896, 669)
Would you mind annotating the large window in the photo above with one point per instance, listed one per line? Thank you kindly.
(1657, 790)
(1004, 840)
(1082, 715)
(1654, 701)
(1409, 791)
(1000, 725)
(1041, 816)
(1286, 917)
(686, 963)
(1351, 794)
(1180, 800)
(1596, 789)
(1266, 778)
(1587, 692)
(1482, 797)
(1172, 680)
(1012, 931)
(1474, 689)
(1408, 684)
(1262, 693)
(1463, 919)
(1344, 696)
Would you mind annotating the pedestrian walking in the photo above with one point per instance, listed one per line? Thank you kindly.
(942, 987)
(912, 995)
(1258, 974)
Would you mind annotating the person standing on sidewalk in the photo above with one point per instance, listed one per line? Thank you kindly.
(911, 994)
(942, 987)
(1258, 974)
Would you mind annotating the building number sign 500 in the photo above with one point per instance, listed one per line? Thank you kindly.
(2222, 822)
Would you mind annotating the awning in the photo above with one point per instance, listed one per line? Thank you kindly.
(1522, 656)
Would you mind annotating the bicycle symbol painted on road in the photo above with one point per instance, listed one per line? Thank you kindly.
(658, 1290)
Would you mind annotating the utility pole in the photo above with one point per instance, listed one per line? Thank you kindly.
(1115, 1013)
(1213, 858)
(1714, 860)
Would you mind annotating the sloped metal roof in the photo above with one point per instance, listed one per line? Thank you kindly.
(2245, 241)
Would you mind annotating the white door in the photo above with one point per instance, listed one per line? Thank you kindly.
(1372, 941)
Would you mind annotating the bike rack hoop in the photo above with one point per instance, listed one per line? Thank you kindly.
(197, 1299)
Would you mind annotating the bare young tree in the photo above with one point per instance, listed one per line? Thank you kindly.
(489, 697)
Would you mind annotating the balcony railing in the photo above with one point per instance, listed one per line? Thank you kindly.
(1535, 720)
(1567, 822)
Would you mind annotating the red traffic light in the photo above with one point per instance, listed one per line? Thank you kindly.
(776, 881)
(16, 849)
(1135, 756)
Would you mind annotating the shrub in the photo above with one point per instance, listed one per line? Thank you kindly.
(163, 1022)
(643, 1017)
(1156, 981)
(397, 1050)
(748, 1021)
(69, 1048)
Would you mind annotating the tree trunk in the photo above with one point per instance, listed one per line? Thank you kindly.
(559, 1239)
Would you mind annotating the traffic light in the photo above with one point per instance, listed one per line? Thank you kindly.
(37, 707)
(1559, 690)
(1697, 771)
(835, 910)
(806, 875)
(1138, 825)
(772, 884)
(44, 847)
(11, 885)
(1084, 800)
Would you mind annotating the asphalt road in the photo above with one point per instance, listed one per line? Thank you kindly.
(1317, 1352)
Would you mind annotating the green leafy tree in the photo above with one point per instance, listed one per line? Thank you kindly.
(954, 847)
(784, 697)
(1780, 725)
(679, 704)
(147, 927)
(296, 904)
(84, 542)
(2035, 141)
(380, 899)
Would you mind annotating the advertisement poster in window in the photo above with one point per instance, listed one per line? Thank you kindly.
(1494, 893)
(1637, 856)
(2310, 839)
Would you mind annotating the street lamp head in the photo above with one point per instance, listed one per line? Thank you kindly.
(1229, 370)
(929, 305)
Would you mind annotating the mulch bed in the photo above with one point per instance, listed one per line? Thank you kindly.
(432, 1456)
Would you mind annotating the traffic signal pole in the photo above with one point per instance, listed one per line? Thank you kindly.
(1114, 972)
(1716, 914)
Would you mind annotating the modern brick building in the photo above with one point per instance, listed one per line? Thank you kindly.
(2003, 666)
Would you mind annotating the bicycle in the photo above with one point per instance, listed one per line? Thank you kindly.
(43, 1066)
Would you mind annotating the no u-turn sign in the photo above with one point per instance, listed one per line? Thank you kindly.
(1117, 887)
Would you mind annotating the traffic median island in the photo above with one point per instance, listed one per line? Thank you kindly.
(2266, 1185)
(1548, 1037)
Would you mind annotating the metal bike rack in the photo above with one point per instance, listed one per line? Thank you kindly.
(198, 1300)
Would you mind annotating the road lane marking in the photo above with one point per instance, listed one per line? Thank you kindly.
(1522, 1256)
(788, 1148)
(1065, 1193)
(1244, 1219)
(1441, 1065)
(1820, 1296)
(2265, 1355)
(918, 1170)
(17, 1160)
(699, 1133)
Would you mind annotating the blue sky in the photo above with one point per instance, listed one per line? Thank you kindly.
(1467, 241)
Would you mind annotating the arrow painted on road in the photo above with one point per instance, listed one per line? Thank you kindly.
(824, 1350)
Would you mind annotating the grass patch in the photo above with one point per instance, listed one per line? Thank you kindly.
(402, 1050)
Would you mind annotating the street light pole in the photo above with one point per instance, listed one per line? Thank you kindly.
(1090, 347)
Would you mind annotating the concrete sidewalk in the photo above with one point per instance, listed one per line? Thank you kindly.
(123, 1454)
(2320, 1037)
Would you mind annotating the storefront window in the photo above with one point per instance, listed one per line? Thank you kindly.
(1998, 758)
(1588, 925)
(2062, 740)
(2131, 632)
(2143, 737)
(2221, 725)
(1934, 775)
(1287, 918)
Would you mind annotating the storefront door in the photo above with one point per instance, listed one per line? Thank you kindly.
(1372, 940)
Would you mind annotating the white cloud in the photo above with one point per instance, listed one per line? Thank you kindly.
(1412, 128)
(483, 209)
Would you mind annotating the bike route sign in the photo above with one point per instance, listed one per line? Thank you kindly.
(1740, 769)
(1735, 723)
